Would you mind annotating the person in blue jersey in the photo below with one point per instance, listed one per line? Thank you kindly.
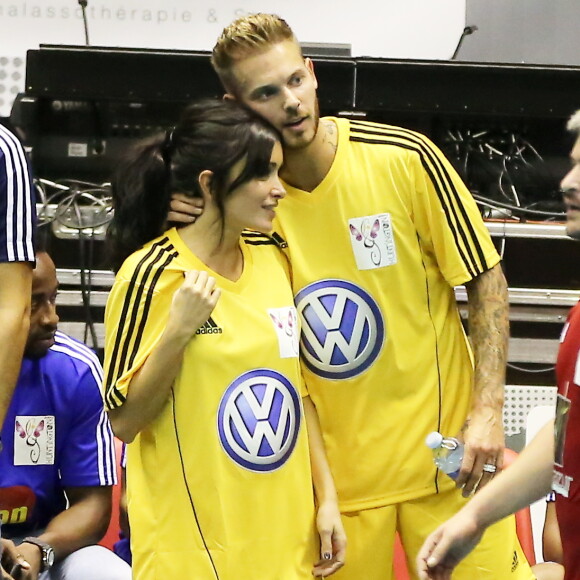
(17, 222)
(58, 446)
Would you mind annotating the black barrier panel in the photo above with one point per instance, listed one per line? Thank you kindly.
(467, 88)
(100, 73)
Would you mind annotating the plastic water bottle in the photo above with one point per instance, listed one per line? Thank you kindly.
(447, 453)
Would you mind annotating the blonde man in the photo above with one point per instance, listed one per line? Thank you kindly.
(379, 229)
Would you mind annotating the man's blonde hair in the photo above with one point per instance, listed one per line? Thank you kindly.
(245, 36)
(573, 124)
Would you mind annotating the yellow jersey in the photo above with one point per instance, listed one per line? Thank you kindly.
(219, 484)
(375, 251)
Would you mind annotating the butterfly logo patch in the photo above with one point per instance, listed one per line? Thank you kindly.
(373, 242)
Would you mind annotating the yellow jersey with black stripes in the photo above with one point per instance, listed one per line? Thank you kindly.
(219, 484)
(375, 251)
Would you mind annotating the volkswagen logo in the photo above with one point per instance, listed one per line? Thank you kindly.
(342, 328)
(259, 419)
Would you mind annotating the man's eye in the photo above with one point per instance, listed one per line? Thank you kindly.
(265, 95)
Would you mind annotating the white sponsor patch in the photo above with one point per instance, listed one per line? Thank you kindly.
(373, 242)
(34, 440)
(285, 321)
(561, 483)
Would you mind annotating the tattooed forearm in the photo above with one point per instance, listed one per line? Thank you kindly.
(489, 334)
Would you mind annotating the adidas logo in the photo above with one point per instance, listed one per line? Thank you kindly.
(515, 561)
(209, 327)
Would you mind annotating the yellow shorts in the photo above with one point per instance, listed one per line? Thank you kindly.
(371, 536)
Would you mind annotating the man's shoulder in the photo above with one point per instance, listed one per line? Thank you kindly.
(69, 356)
(381, 133)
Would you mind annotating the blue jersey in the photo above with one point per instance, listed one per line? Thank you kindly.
(17, 202)
(56, 435)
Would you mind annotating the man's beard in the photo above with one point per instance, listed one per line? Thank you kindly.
(298, 144)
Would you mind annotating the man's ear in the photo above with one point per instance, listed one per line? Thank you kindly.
(205, 178)
(310, 66)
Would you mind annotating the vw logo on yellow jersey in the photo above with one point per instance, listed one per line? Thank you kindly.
(259, 420)
(342, 328)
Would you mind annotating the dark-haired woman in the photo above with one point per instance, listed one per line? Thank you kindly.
(201, 366)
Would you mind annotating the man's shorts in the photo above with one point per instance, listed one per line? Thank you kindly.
(371, 536)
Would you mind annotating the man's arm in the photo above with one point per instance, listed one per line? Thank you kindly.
(15, 290)
(84, 523)
(530, 475)
(489, 334)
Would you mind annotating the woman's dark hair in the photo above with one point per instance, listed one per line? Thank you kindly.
(212, 135)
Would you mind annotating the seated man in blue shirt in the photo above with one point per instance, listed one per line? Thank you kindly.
(58, 462)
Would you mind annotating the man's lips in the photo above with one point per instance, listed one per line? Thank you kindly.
(295, 123)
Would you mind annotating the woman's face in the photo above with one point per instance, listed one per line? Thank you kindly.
(253, 204)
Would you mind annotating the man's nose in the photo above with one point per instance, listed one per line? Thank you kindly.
(291, 101)
(571, 182)
(49, 315)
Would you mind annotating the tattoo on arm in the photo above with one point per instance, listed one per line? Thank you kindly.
(330, 135)
(489, 334)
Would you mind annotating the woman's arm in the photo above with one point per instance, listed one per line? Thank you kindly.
(330, 529)
(149, 388)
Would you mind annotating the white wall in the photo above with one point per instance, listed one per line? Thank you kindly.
(382, 28)
(530, 31)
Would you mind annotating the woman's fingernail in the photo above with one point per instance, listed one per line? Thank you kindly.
(326, 556)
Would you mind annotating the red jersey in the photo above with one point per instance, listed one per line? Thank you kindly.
(567, 444)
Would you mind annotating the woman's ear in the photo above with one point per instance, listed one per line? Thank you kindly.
(205, 179)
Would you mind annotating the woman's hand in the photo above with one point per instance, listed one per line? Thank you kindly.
(192, 304)
(332, 540)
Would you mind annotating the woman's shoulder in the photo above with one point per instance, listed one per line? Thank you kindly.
(154, 254)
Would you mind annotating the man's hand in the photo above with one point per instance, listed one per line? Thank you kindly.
(33, 556)
(483, 436)
(183, 209)
(15, 565)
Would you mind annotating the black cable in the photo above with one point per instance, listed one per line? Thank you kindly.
(85, 292)
(99, 143)
(89, 285)
(83, 5)
(466, 32)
